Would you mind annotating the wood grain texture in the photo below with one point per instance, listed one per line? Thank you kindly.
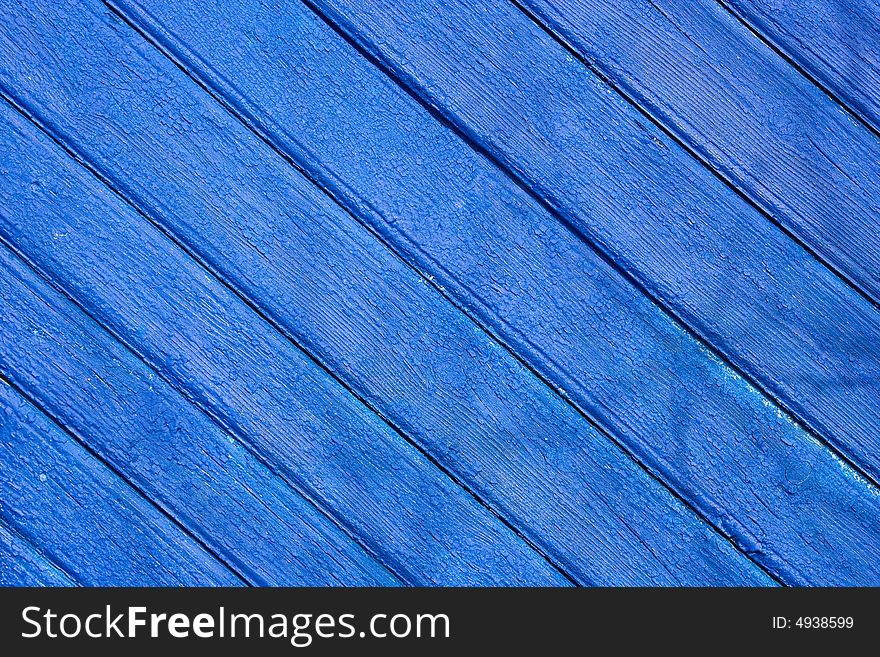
(195, 472)
(21, 564)
(207, 343)
(331, 286)
(834, 42)
(90, 522)
(532, 283)
(744, 112)
(690, 242)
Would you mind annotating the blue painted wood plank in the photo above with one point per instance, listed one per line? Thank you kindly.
(79, 512)
(331, 286)
(22, 565)
(836, 44)
(613, 353)
(214, 348)
(686, 239)
(196, 473)
(742, 111)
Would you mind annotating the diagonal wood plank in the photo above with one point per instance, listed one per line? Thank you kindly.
(78, 511)
(743, 112)
(22, 565)
(116, 405)
(311, 430)
(691, 243)
(508, 263)
(836, 43)
(314, 272)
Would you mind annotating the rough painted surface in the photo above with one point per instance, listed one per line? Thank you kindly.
(744, 111)
(374, 321)
(195, 332)
(194, 471)
(320, 334)
(99, 530)
(835, 42)
(689, 241)
(21, 564)
(629, 367)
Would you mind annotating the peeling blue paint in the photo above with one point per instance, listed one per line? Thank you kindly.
(348, 293)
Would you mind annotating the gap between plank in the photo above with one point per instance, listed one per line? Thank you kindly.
(211, 417)
(791, 61)
(214, 420)
(621, 90)
(474, 142)
(246, 118)
(73, 435)
(263, 315)
(26, 539)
